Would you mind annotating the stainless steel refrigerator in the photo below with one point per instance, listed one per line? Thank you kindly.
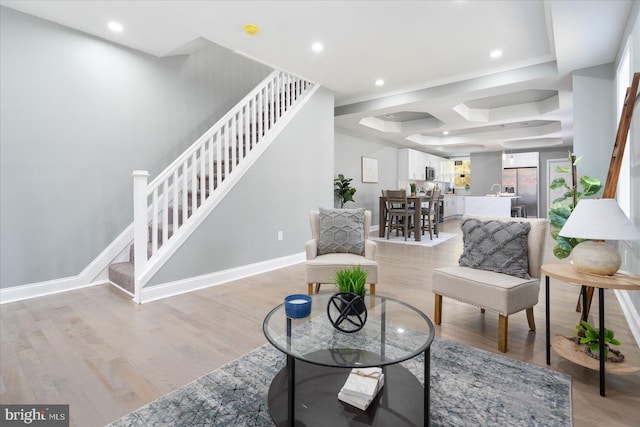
(523, 182)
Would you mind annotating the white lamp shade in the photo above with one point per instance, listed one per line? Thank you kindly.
(599, 219)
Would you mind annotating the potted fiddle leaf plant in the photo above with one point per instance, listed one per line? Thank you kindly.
(342, 190)
(560, 210)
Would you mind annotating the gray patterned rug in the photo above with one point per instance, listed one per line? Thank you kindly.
(469, 387)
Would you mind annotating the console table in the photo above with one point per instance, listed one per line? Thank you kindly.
(567, 349)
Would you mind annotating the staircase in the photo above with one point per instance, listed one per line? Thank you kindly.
(169, 209)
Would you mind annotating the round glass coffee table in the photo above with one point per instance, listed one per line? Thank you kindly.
(306, 390)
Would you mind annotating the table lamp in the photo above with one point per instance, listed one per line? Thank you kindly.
(598, 219)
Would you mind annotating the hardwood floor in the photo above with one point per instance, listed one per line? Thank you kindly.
(106, 356)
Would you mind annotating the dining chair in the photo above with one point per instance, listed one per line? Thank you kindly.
(431, 215)
(399, 212)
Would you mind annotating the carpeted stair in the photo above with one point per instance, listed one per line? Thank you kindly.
(122, 273)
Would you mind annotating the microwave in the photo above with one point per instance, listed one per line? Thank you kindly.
(430, 173)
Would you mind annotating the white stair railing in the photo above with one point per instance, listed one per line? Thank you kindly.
(164, 207)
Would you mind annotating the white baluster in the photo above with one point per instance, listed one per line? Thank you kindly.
(154, 222)
(140, 231)
(165, 211)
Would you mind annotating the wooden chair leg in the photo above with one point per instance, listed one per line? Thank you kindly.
(372, 288)
(530, 319)
(437, 312)
(503, 330)
(317, 287)
(309, 288)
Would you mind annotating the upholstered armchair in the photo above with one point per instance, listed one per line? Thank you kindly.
(499, 269)
(339, 239)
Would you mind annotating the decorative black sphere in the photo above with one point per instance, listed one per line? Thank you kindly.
(347, 312)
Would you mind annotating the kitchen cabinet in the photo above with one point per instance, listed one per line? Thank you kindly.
(521, 160)
(453, 205)
(412, 165)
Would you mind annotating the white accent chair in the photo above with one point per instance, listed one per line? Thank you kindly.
(321, 269)
(497, 292)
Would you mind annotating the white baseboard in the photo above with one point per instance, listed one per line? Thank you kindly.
(154, 293)
(34, 290)
(630, 313)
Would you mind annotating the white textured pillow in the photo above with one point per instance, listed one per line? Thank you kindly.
(496, 246)
(341, 231)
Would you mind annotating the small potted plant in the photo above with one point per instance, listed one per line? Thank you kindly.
(353, 280)
(413, 188)
(585, 334)
(342, 190)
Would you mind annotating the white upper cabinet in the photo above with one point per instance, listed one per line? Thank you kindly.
(412, 164)
(520, 160)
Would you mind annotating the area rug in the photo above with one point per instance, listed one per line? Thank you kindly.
(426, 242)
(469, 387)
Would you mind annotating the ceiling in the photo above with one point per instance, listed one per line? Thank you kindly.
(432, 55)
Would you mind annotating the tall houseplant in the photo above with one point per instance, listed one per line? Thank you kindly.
(559, 210)
(342, 189)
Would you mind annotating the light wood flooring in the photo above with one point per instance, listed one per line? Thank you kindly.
(106, 356)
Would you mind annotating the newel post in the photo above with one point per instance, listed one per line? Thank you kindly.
(139, 229)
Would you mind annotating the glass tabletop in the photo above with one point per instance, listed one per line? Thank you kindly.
(394, 331)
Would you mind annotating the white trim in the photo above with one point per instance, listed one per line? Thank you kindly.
(102, 262)
(154, 293)
(40, 289)
(87, 277)
(630, 313)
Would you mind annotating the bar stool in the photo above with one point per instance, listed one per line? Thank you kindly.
(519, 211)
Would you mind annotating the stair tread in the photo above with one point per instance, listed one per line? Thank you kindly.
(122, 274)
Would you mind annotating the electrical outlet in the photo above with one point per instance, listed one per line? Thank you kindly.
(280, 236)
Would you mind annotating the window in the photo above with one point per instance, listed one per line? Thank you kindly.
(462, 173)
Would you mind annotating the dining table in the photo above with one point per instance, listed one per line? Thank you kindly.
(417, 201)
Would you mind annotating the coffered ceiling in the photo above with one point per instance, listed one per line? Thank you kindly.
(432, 55)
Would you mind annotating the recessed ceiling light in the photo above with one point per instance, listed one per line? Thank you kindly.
(379, 82)
(115, 26)
(317, 47)
(446, 132)
(497, 53)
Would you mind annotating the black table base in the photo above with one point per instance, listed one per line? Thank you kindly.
(399, 403)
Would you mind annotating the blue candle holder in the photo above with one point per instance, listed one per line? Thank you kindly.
(297, 306)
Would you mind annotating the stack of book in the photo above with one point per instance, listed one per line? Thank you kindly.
(361, 387)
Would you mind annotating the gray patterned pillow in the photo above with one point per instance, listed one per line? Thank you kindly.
(496, 246)
(341, 231)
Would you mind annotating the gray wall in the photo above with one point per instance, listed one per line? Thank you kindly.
(293, 177)
(349, 150)
(594, 128)
(77, 115)
(486, 170)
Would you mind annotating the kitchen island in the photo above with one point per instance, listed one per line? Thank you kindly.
(489, 205)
